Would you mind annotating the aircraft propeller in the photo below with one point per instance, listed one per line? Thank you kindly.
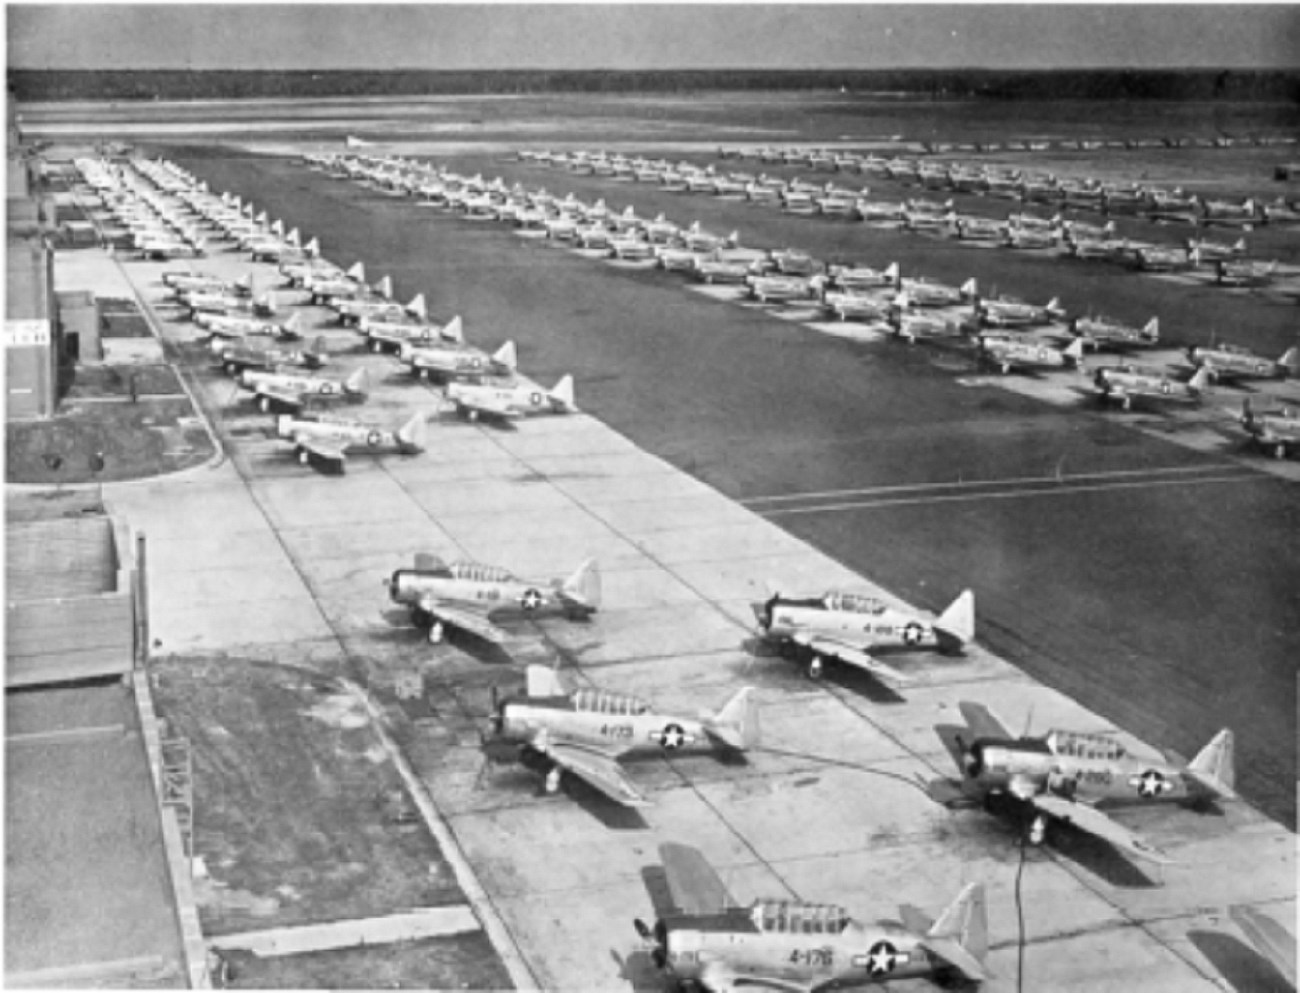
(658, 937)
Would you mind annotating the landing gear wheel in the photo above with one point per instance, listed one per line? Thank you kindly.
(436, 632)
(472, 415)
(553, 780)
(264, 405)
(304, 456)
(1279, 451)
(376, 347)
(815, 668)
(230, 368)
(1037, 833)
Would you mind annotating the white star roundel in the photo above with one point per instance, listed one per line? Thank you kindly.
(531, 600)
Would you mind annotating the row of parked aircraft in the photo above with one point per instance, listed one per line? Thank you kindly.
(586, 734)
(1058, 778)
(1225, 262)
(266, 354)
(907, 305)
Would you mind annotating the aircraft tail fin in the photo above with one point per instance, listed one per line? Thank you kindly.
(317, 352)
(385, 287)
(562, 395)
(454, 330)
(1214, 768)
(957, 623)
(358, 384)
(736, 724)
(357, 272)
(970, 288)
(507, 356)
(960, 936)
(1201, 381)
(582, 589)
(313, 247)
(413, 435)
(893, 274)
(1152, 329)
(1290, 360)
(418, 308)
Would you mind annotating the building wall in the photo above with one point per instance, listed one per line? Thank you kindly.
(30, 340)
(71, 603)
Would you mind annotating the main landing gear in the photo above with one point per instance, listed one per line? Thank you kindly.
(437, 631)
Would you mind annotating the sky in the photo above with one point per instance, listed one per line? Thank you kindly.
(635, 35)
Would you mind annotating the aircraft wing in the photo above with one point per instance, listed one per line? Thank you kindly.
(1269, 937)
(1093, 821)
(321, 449)
(852, 654)
(465, 618)
(982, 722)
(693, 884)
(485, 405)
(597, 768)
(288, 398)
(724, 979)
(952, 952)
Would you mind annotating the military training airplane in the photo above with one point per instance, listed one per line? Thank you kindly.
(1007, 353)
(235, 326)
(848, 626)
(512, 400)
(466, 595)
(1100, 331)
(1129, 382)
(712, 942)
(1238, 362)
(236, 355)
(330, 439)
(586, 733)
(288, 389)
(1063, 776)
(452, 358)
(1277, 433)
(998, 313)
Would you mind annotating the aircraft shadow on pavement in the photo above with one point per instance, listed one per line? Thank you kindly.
(611, 814)
(838, 673)
(1086, 851)
(1243, 967)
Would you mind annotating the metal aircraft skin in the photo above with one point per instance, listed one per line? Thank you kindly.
(235, 326)
(709, 941)
(1007, 353)
(1243, 273)
(848, 626)
(1098, 332)
(381, 333)
(187, 281)
(992, 312)
(330, 439)
(1064, 776)
(262, 305)
(236, 355)
(1277, 433)
(452, 357)
(512, 400)
(587, 732)
(1127, 383)
(466, 595)
(290, 389)
(1270, 938)
(1237, 362)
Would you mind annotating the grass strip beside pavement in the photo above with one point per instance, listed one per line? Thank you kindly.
(150, 437)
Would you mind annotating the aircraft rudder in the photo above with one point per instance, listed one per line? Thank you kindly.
(414, 433)
(1214, 765)
(584, 585)
(966, 921)
(736, 723)
(563, 393)
(958, 620)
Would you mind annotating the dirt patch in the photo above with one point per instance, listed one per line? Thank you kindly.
(121, 381)
(106, 441)
(462, 962)
(296, 812)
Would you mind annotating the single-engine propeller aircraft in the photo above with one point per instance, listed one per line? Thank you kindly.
(1008, 353)
(712, 942)
(1239, 362)
(587, 732)
(1100, 331)
(453, 358)
(467, 594)
(1130, 382)
(236, 355)
(329, 439)
(1276, 433)
(849, 626)
(1064, 775)
(236, 326)
(512, 400)
(289, 389)
(998, 313)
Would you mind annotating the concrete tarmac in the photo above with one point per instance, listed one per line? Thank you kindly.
(1168, 607)
(263, 556)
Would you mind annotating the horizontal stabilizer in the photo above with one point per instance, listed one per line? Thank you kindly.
(736, 724)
